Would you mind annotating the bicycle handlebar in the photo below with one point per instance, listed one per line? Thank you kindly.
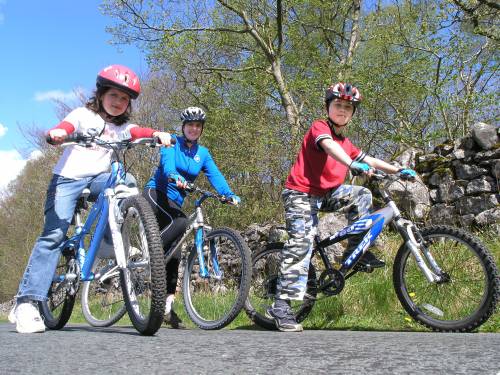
(87, 140)
(192, 188)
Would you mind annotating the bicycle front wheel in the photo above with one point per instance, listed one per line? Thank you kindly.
(265, 273)
(469, 291)
(102, 298)
(143, 281)
(212, 301)
(57, 309)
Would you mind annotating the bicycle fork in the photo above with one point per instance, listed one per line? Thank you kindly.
(415, 242)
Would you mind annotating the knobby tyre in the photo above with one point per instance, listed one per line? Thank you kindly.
(57, 309)
(468, 295)
(102, 298)
(265, 273)
(143, 281)
(214, 301)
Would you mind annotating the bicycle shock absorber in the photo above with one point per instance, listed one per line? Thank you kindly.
(200, 248)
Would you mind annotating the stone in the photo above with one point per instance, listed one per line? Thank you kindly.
(484, 135)
(412, 198)
(476, 205)
(442, 213)
(329, 223)
(408, 158)
(487, 217)
(485, 184)
(443, 149)
(440, 177)
(491, 154)
(465, 220)
(449, 192)
(466, 171)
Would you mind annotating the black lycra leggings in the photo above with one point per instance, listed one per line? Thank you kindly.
(172, 223)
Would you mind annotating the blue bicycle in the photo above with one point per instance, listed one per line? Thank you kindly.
(444, 277)
(137, 252)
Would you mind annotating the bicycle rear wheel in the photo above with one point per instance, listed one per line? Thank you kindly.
(57, 309)
(466, 297)
(212, 302)
(143, 281)
(265, 272)
(102, 298)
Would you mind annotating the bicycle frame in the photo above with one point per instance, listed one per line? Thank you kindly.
(105, 210)
(196, 224)
(372, 226)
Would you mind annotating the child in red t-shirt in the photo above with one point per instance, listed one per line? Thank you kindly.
(316, 182)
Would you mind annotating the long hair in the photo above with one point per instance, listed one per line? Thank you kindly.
(95, 105)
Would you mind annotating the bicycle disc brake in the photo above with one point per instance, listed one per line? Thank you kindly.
(331, 282)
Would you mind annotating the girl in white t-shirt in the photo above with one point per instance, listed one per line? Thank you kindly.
(107, 114)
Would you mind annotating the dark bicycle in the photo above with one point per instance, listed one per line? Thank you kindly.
(444, 277)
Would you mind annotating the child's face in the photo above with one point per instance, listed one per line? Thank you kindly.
(192, 130)
(115, 102)
(340, 111)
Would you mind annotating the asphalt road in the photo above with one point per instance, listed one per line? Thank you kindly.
(80, 349)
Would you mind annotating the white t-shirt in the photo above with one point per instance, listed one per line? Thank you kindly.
(78, 162)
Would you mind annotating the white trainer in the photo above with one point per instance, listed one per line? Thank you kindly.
(27, 318)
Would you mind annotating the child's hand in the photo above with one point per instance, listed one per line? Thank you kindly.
(234, 200)
(165, 138)
(360, 168)
(57, 136)
(180, 181)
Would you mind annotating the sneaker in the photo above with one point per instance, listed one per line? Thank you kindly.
(27, 318)
(173, 320)
(368, 259)
(283, 317)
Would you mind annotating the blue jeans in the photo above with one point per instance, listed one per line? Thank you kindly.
(62, 195)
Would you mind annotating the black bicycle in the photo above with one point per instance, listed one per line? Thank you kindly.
(444, 277)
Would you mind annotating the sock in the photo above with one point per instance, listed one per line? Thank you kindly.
(169, 303)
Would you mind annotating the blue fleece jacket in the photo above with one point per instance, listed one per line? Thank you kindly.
(188, 162)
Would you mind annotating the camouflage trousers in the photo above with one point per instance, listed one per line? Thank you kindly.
(301, 215)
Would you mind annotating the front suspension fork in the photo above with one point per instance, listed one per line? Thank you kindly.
(201, 249)
(415, 242)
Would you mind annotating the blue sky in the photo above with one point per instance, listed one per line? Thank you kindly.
(49, 49)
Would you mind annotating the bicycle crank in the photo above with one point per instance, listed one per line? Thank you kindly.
(331, 282)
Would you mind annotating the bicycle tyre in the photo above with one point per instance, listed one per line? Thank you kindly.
(265, 270)
(143, 281)
(213, 303)
(57, 309)
(460, 304)
(102, 298)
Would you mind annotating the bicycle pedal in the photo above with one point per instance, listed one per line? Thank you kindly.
(363, 268)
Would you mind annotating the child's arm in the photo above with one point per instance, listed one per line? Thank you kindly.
(380, 164)
(336, 151)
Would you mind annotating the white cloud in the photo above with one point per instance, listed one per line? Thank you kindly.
(3, 130)
(2, 17)
(55, 95)
(12, 165)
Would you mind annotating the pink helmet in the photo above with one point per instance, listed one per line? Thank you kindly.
(119, 77)
(344, 91)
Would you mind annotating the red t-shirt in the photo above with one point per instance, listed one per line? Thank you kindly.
(314, 171)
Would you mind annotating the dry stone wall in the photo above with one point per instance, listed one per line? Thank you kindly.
(463, 178)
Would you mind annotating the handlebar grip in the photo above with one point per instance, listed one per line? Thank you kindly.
(72, 137)
(49, 139)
